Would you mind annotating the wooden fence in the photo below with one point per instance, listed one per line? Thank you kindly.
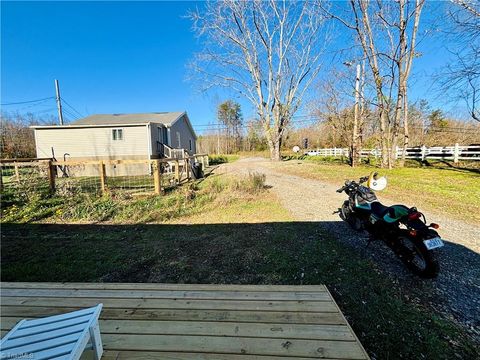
(454, 153)
(136, 176)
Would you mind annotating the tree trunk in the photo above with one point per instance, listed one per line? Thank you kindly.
(405, 130)
(274, 141)
(274, 145)
(275, 153)
(396, 126)
(354, 150)
(383, 131)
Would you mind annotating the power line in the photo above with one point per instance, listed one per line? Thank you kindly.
(41, 111)
(457, 130)
(44, 111)
(71, 107)
(33, 105)
(70, 114)
(312, 119)
(27, 102)
(207, 127)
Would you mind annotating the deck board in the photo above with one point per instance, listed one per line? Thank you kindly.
(176, 321)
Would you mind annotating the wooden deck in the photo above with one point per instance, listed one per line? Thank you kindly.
(170, 321)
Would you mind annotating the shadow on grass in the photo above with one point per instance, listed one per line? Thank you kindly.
(266, 253)
(447, 165)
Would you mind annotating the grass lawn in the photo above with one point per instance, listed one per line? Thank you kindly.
(222, 230)
(453, 191)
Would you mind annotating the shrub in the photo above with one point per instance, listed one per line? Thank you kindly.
(253, 184)
(221, 159)
(217, 159)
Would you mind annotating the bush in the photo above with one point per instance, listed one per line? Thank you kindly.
(327, 159)
(253, 184)
(298, 156)
(221, 159)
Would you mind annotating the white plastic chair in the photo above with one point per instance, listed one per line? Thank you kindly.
(63, 336)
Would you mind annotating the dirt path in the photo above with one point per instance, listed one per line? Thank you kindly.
(456, 291)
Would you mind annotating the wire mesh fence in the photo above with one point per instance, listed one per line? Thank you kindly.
(24, 180)
(77, 178)
(67, 178)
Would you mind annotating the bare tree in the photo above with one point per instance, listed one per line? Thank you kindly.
(268, 51)
(462, 77)
(360, 21)
(387, 33)
(403, 53)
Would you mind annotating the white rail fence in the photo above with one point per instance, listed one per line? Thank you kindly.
(454, 153)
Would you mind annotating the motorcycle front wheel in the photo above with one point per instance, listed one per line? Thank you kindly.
(350, 217)
(417, 258)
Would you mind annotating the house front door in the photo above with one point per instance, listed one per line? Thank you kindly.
(162, 135)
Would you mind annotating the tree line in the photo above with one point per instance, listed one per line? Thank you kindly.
(330, 125)
(17, 140)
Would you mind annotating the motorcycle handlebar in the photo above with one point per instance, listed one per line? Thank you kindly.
(344, 187)
(363, 179)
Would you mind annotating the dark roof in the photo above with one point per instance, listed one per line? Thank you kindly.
(166, 118)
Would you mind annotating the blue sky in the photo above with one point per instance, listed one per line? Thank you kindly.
(110, 57)
(116, 57)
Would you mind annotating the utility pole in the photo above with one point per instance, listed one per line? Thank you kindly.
(59, 102)
(354, 154)
(218, 139)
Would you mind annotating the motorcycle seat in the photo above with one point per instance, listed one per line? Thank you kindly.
(379, 209)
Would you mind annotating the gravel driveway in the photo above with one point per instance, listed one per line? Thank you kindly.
(456, 291)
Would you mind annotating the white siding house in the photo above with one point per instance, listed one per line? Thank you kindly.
(92, 143)
(116, 136)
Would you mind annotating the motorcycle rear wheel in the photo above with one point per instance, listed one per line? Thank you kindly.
(417, 258)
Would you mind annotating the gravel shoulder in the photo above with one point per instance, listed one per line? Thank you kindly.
(455, 294)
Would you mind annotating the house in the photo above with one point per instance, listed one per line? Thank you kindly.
(117, 137)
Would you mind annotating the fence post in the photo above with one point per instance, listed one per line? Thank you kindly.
(423, 152)
(187, 168)
(17, 173)
(51, 176)
(157, 178)
(207, 161)
(397, 149)
(177, 171)
(456, 153)
(103, 176)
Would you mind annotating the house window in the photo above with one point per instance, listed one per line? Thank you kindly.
(178, 139)
(117, 134)
(190, 144)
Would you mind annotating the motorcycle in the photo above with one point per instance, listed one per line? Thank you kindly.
(403, 229)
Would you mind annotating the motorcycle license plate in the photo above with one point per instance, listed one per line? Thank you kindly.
(433, 243)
